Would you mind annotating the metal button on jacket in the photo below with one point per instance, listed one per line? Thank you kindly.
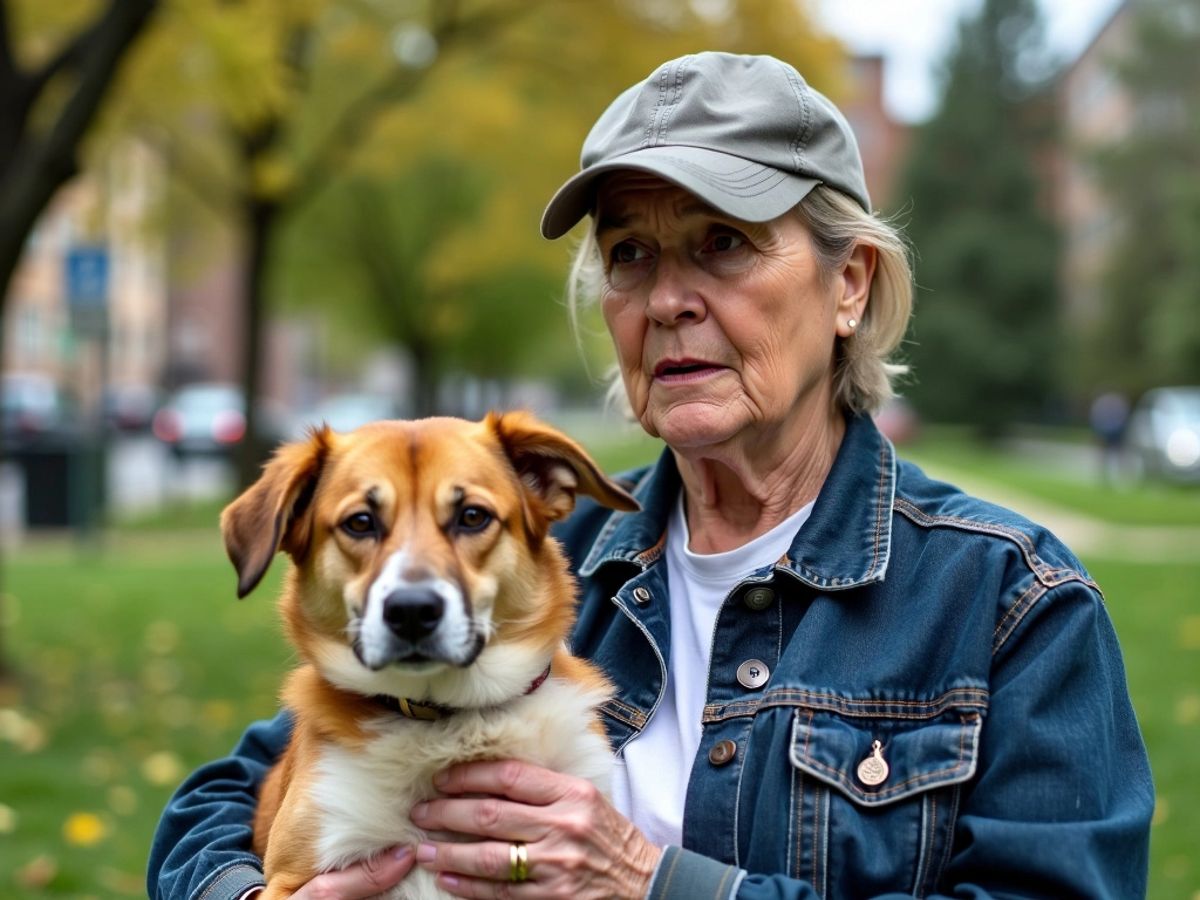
(722, 752)
(759, 597)
(641, 596)
(753, 673)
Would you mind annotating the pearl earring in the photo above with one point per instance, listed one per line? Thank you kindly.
(852, 324)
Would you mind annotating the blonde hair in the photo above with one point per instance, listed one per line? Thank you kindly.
(865, 373)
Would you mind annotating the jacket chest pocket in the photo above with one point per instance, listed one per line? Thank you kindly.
(874, 798)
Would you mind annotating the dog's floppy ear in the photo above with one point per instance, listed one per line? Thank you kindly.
(273, 513)
(553, 469)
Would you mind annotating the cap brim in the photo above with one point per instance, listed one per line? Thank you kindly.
(737, 187)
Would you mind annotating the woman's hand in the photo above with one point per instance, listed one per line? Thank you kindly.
(365, 879)
(577, 846)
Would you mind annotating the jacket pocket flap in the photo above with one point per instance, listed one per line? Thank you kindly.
(912, 756)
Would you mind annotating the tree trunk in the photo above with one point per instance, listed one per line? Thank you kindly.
(6, 667)
(259, 223)
(424, 379)
(33, 166)
(36, 165)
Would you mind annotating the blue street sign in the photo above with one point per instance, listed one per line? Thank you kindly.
(87, 277)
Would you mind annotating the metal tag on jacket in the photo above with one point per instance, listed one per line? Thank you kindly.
(874, 769)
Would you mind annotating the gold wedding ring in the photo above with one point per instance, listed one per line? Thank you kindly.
(518, 862)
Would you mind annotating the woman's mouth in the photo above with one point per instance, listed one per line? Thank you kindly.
(682, 371)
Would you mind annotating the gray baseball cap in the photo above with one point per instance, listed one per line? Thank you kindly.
(745, 134)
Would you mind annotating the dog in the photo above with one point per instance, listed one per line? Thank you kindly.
(429, 606)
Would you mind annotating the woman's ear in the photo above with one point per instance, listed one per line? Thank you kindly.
(855, 279)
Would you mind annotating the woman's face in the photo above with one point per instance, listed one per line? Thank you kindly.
(724, 329)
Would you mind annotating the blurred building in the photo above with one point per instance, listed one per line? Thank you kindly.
(882, 140)
(1093, 110)
(171, 299)
(202, 290)
(48, 332)
(205, 333)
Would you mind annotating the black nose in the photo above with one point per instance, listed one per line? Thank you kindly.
(413, 613)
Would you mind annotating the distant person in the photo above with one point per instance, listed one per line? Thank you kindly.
(833, 676)
(1108, 417)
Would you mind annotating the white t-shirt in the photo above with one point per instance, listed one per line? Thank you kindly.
(650, 778)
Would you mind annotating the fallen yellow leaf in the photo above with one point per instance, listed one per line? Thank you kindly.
(217, 713)
(122, 800)
(38, 872)
(1189, 632)
(125, 883)
(84, 829)
(99, 766)
(10, 611)
(21, 731)
(162, 768)
(1176, 866)
(1187, 709)
(176, 711)
(162, 637)
(1162, 809)
(8, 819)
(162, 675)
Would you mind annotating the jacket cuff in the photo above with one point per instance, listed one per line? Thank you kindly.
(684, 875)
(232, 883)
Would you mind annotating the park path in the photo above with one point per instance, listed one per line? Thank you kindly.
(1085, 535)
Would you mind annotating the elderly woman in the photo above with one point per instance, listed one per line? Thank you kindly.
(834, 677)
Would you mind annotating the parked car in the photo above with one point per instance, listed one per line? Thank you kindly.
(208, 419)
(130, 407)
(898, 421)
(1163, 435)
(33, 407)
(347, 411)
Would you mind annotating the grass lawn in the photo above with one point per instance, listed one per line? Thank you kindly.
(1158, 622)
(136, 664)
(949, 453)
(1074, 487)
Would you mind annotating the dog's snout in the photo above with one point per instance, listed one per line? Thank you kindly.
(413, 613)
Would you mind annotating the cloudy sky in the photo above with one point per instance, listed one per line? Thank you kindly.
(912, 35)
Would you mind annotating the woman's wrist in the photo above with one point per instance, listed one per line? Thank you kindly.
(646, 869)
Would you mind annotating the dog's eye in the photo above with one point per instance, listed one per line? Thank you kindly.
(359, 525)
(473, 518)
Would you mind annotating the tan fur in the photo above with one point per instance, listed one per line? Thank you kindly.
(509, 580)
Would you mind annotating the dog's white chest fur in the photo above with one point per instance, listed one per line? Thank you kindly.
(363, 797)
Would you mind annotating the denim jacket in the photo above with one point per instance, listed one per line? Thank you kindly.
(924, 697)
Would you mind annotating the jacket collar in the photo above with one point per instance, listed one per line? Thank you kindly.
(845, 542)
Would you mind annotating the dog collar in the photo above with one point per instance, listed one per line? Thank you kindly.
(432, 712)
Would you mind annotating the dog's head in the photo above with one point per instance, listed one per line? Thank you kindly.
(420, 548)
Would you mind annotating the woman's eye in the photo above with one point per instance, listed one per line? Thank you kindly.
(626, 252)
(360, 525)
(473, 518)
(723, 242)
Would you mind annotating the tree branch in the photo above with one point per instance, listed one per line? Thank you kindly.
(97, 63)
(189, 169)
(358, 116)
(70, 54)
(37, 168)
(355, 119)
(8, 68)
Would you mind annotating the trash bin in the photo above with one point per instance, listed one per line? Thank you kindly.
(64, 480)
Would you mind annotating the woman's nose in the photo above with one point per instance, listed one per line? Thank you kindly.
(673, 295)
